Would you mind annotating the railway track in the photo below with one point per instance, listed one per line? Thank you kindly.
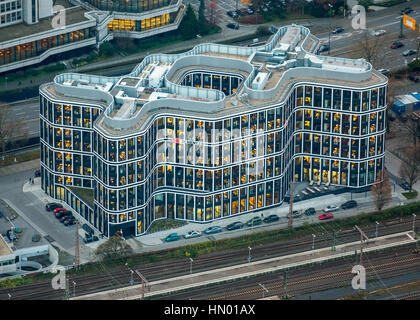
(104, 279)
(308, 280)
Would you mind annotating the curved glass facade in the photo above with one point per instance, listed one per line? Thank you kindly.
(129, 5)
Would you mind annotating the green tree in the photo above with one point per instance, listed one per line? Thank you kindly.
(202, 22)
(106, 49)
(114, 248)
(365, 3)
(189, 24)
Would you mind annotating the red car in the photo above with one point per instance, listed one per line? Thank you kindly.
(326, 216)
(57, 210)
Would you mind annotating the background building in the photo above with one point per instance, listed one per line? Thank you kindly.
(27, 35)
(214, 132)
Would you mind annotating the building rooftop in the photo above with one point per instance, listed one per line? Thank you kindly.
(4, 247)
(14, 32)
(154, 86)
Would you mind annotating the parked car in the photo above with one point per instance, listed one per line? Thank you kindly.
(87, 228)
(69, 222)
(1, 214)
(405, 185)
(172, 237)
(323, 48)
(214, 229)
(234, 26)
(59, 209)
(59, 213)
(397, 44)
(51, 206)
(235, 225)
(271, 218)
(232, 14)
(192, 234)
(65, 216)
(409, 52)
(337, 30)
(255, 221)
(250, 11)
(37, 173)
(11, 235)
(349, 204)
(331, 208)
(90, 238)
(326, 216)
(383, 71)
(379, 33)
(296, 214)
(414, 78)
(310, 211)
(406, 10)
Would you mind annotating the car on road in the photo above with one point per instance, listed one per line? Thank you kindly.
(232, 14)
(172, 237)
(409, 52)
(406, 10)
(326, 216)
(349, 204)
(255, 221)
(296, 214)
(232, 25)
(214, 229)
(414, 78)
(51, 206)
(323, 48)
(235, 225)
(271, 218)
(69, 222)
(310, 211)
(331, 208)
(397, 44)
(383, 71)
(192, 234)
(337, 30)
(379, 33)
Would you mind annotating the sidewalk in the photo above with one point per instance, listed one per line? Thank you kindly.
(19, 167)
(249, 269)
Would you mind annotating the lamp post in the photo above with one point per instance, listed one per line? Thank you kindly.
(414, 221)
(249, 254)
(74, 289)
(377, 232)
(329, 31)
(131, 277)
(191, 261)
(313, 243)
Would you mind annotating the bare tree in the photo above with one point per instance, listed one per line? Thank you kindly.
(381, 190)
(410, 165)
(371, 48)
(213, 12)
(6, 126)
(115, 247)
(413, 127)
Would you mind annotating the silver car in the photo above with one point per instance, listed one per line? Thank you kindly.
(331, 208)
(192, 234)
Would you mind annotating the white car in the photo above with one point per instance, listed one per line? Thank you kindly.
(192, 234)
(331, 208)
(383, 71)
(379, 33)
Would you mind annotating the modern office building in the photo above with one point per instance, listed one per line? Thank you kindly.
(212, 133)
(33, 30)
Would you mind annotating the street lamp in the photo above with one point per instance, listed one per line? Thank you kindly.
(376, 232)
(414, 221)
(249, 254)
(264, 288)
(329, 31)
(191, 261)
(74, 289)
(313, 243)
(131, 279)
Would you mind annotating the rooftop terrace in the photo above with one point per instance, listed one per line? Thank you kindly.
(154, 85)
